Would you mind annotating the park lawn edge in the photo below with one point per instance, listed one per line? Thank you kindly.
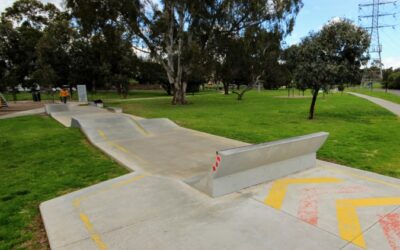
(94, 168)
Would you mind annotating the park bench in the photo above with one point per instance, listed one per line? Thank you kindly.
(238, 168)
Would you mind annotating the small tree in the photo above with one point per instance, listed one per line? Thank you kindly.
(332, 56)
(394, 80)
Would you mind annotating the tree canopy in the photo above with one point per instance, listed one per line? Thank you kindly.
(332, 56)
(180, 34)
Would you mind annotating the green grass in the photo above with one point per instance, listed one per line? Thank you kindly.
(26, 96)
(40, 160)
(362, 134)
(386, 96)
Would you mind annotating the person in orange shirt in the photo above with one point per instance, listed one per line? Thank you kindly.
(64, 94)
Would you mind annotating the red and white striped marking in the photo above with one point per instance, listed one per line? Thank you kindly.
(217, 162)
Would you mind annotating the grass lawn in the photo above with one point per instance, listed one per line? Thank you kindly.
(40, 160)
(362, 134)
(26, 96)
(380, 94)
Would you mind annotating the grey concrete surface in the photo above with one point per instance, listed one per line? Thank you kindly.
(241, 167)
(159, 213)
(156, 212)
(23, 113)
(325, 207)
(391, 106)
(156, 146)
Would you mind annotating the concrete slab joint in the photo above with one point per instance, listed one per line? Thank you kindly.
(238, 168)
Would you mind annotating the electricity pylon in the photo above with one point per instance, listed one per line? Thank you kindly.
(376, 12)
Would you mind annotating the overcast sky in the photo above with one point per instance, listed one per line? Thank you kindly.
(316, 13)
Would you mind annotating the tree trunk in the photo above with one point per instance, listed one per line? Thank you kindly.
(14, 94)
(179, 92)
(71, 93)
(94, 86)
(125, 90)
(226, 88)
(312, 107)
(241, 94)
(119, 91)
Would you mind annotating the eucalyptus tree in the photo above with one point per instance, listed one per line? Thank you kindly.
(332, 56)
(21, 27)
(177, 32)
(261, 53)
(53, 53)
(104, 27)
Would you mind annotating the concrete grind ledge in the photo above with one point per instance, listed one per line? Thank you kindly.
(242, 167)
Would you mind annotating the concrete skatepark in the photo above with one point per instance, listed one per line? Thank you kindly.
(192, 190)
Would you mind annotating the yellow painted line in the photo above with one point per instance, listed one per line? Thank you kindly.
(359, 176)
(140, 127)
(95, 236)
(76, 202)
(117, 146)
(124, 183)
(278, 189)
(85, 219)
(102, 134)
(348, 222)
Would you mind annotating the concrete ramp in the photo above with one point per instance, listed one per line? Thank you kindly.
(53, 108)
(242, 167)
(63, 113)
(158, 125)
(100, 126)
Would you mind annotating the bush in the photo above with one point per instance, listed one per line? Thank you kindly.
(394, 80)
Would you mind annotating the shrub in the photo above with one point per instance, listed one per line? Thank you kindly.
(394, 80)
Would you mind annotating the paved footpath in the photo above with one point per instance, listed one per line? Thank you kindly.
(392, 91)
(23, 113)
(326, 207)
(391, 106)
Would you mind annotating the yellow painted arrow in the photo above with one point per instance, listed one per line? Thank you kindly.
(278, 190)
(348, 222)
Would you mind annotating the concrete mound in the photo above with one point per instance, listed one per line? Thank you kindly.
(158, 125)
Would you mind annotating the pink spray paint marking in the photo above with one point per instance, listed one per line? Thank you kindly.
(390, 224)
(217, 162)
(308, 207)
